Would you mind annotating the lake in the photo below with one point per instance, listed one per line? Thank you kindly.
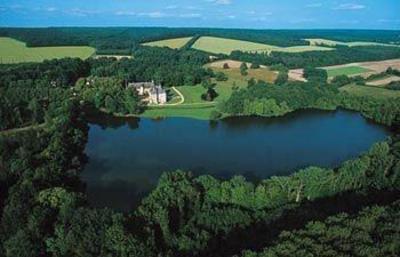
(127, 156)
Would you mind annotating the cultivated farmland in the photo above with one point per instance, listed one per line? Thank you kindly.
(13, 51)
(175, 43)
(226, 46)
(345, 70)
(320, 41)
(363, 69)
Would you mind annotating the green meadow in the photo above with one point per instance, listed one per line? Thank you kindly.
(174, 43)
(370, 91)
(14, 51)
(226, 46)
(346, 70)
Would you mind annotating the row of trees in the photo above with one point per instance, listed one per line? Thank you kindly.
(275, 100)
(167, 66)
(269, 100)
(341, 55)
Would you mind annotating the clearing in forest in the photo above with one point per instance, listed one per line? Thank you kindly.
(174, 43)
(363, 69)
(195, 107)
(118, 57)
(14, 51)
(320, 41)
(345, 70)
(383, 81)
(226, 46)
(374, 92)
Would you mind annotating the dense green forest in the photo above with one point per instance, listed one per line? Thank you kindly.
(267, 100)
(26, 89)
(342, 235)
(44, 209)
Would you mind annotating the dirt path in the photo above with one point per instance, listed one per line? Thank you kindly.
(180, 95)
(17, 130)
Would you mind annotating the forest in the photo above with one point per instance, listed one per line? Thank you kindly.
(123, 40)
(44, 211)
(27, 89)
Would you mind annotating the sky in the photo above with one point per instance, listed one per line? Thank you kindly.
(260, 14)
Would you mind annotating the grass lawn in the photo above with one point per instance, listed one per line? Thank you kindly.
(226, 46)
(195, 107)
(201, 112)
(13, 51)
(175, 43)
(349, 70)
(370, 91)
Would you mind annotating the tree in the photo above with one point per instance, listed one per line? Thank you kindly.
(255, 65)
(110, 104)
(319, 76)
(220, 76)
(21, 245)
(210, 94)
(243, 69)
(252, 82)
(341, 80)
(36, 110)
(282, 78)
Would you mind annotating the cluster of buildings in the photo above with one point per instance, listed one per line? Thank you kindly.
(151, 93)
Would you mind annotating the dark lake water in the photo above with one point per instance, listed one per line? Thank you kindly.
(126, 157)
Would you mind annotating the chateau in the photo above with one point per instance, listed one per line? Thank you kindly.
(151, 93)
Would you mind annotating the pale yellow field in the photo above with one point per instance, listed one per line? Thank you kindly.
(316, 41)
(226, 46)
(175, 43)
(13, 51)
(383, 81)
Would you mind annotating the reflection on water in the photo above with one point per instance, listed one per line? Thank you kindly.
(127, 156)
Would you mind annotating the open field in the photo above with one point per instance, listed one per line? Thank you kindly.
(363, 69)
(383, 81)
(175, 43)
(370, 67)
(231, 63)
(381, 66)
(346, 70)
(376, 92)
(226, 46)
(296, 75)
(318, 41)
(200, 111)
(13, 51)
(118, 57)
(234, 75)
